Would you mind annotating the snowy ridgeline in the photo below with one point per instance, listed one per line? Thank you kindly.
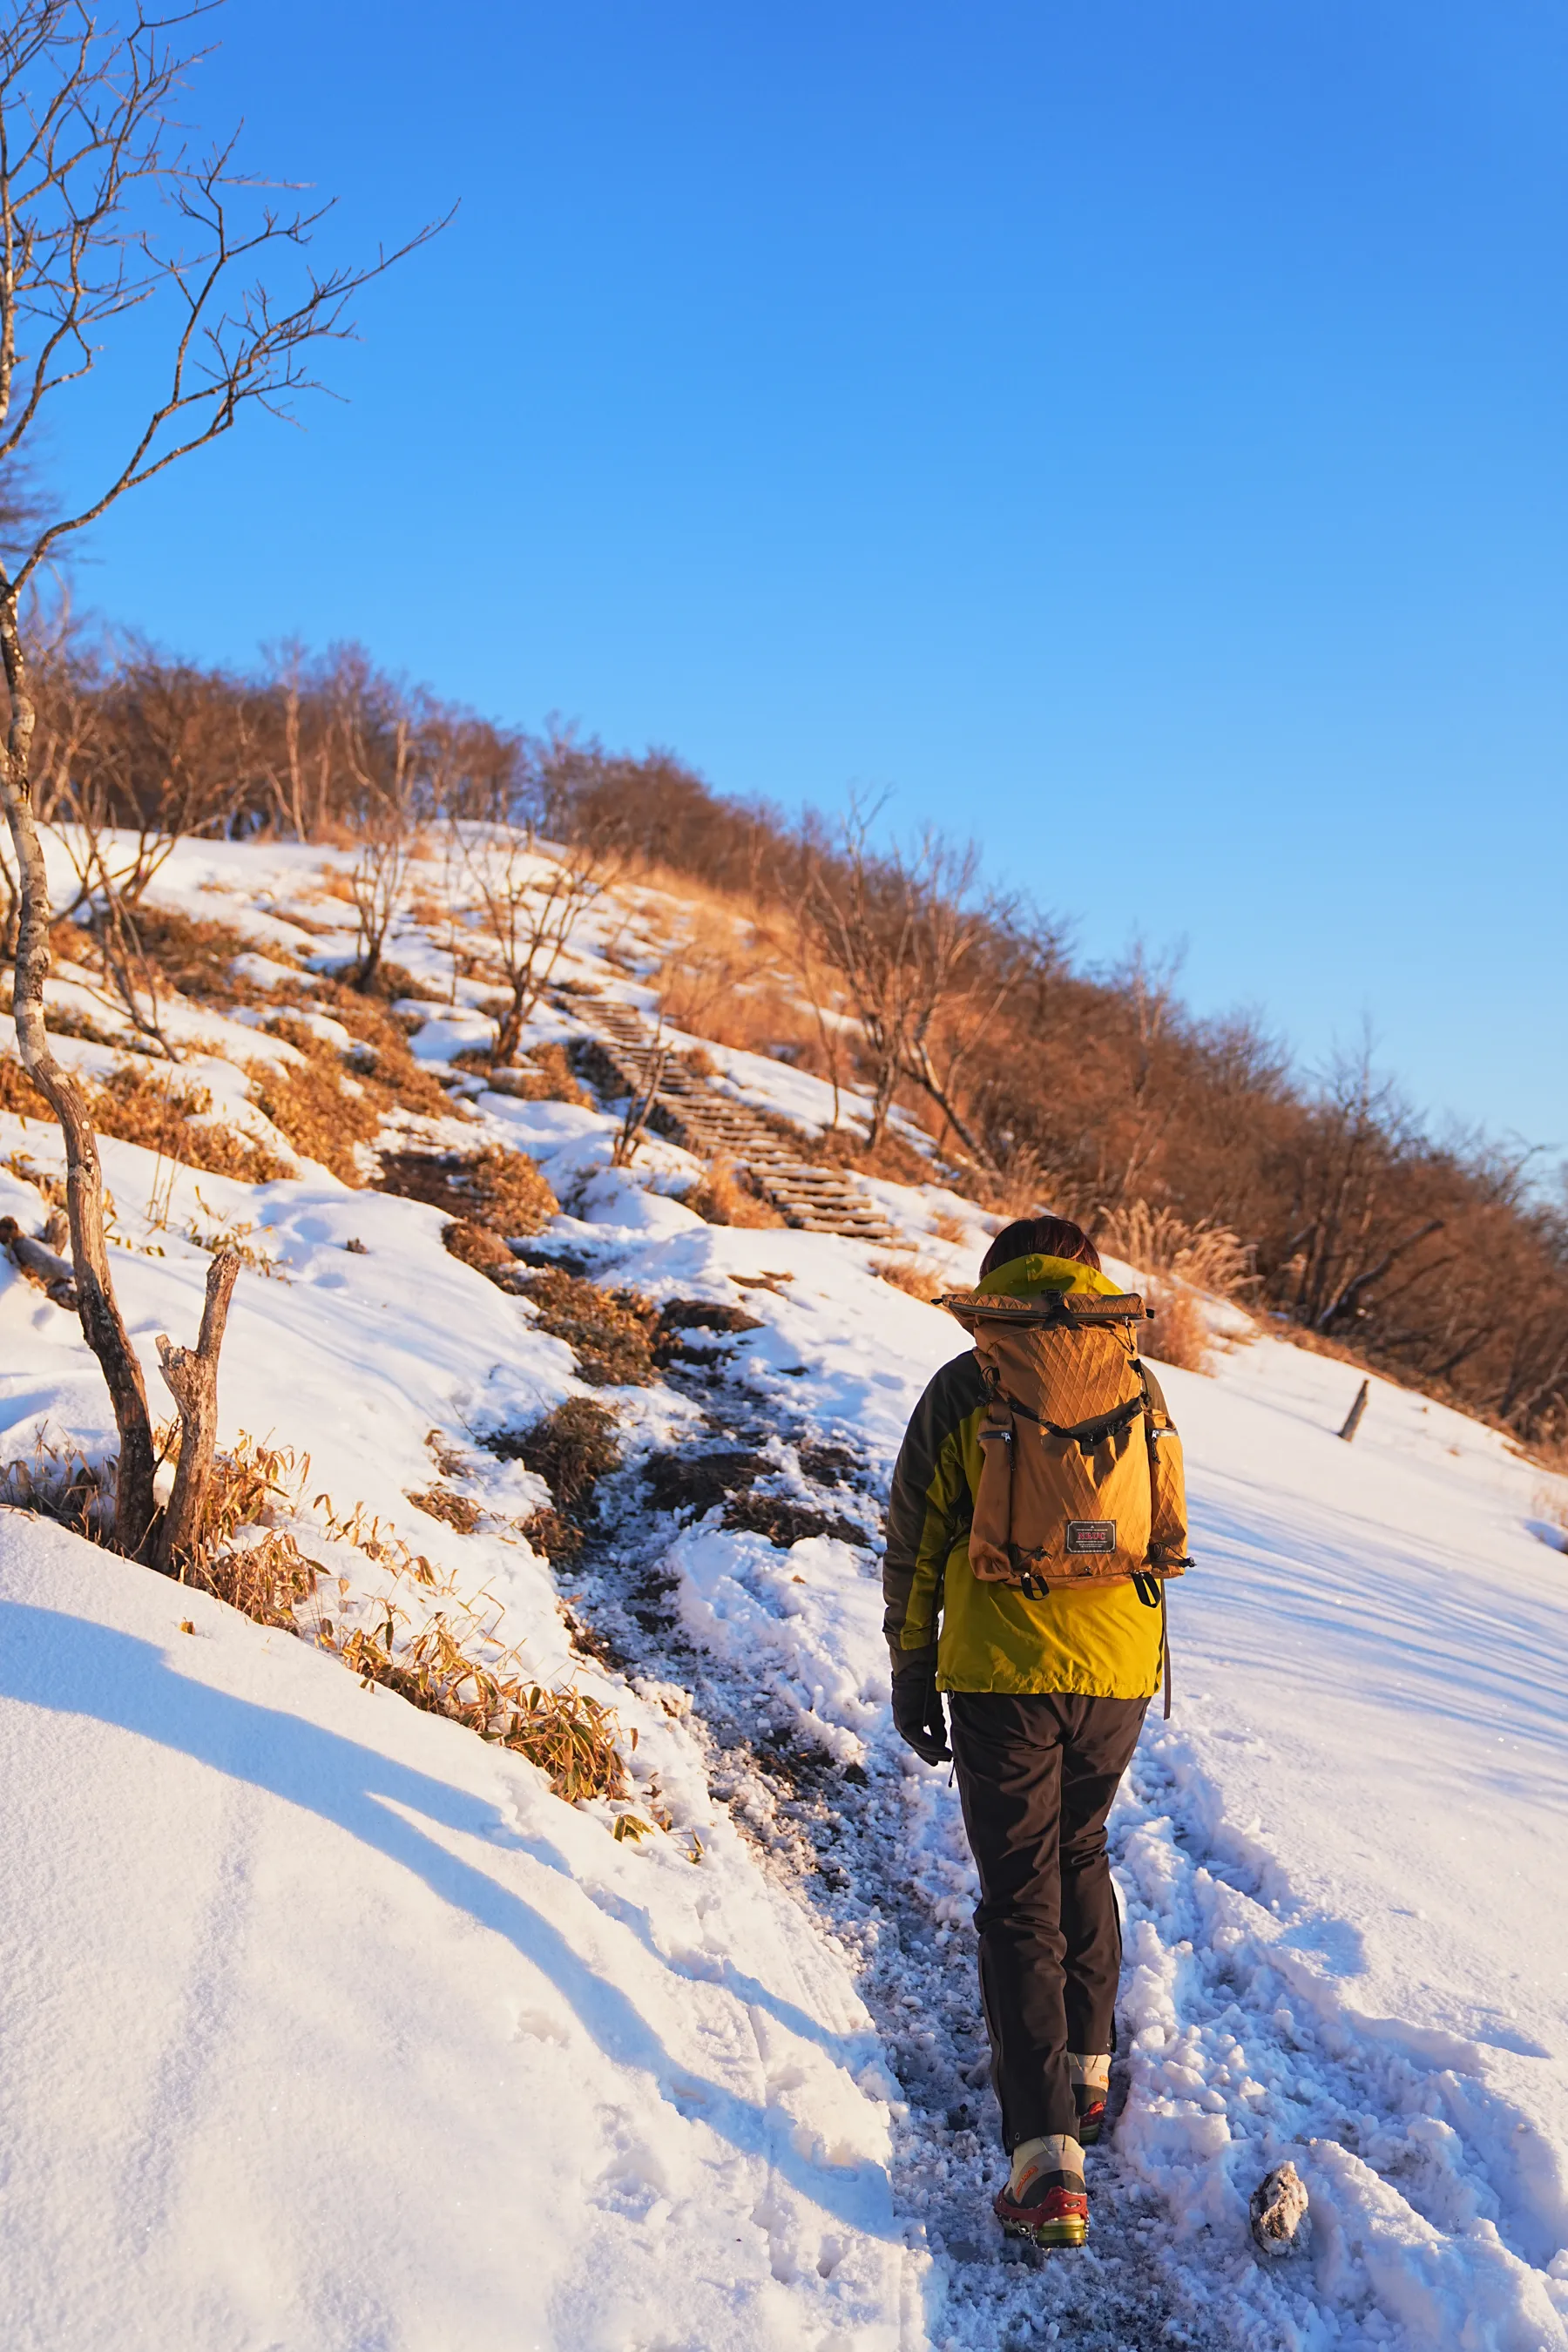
(327, 2025)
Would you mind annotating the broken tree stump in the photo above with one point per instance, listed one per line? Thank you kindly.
(1352, 1418)
(191, 1376)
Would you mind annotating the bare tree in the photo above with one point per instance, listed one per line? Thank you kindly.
(916, 953)
(376, 884)
(93, 164)
(532, 904)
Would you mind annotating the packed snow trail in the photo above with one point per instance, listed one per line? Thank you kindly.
(1313, 1643)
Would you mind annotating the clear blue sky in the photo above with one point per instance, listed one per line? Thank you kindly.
(1133, 433)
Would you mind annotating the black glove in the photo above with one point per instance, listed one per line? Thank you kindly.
(918, 1716)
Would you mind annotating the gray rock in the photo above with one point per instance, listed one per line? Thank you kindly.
(1280, 2221)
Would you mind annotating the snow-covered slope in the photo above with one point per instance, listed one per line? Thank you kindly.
(327, 2025)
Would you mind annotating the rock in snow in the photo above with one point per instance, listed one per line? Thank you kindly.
(1280, 2221)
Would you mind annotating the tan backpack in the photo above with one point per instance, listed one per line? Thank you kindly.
(1081, 1478)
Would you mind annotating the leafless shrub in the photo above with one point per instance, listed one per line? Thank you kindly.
(377, 886)
(532, 904)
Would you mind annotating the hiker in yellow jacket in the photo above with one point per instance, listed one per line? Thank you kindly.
(1029, 1538)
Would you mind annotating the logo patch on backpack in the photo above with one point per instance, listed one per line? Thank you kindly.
(1092, 1534)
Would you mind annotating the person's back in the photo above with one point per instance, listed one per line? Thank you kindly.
(1028, 1545)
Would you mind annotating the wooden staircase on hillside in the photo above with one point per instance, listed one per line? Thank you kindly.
(713, 1125)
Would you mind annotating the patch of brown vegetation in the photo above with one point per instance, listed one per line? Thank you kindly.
(18, 1095)
(568, 1734)
(503, 1192)
(911, 1274)
(486, 1252)
(726, 1196)
(611, 1333)
(58, 1483)
(175, 1119)
(571, 1449)
(458, 1511)
(692, 1481)
(308, 1103)
(545, 1075)
(197, 956)
(1178, 1335)
(784, 1521)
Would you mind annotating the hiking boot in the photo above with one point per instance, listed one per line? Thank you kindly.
(1090, 2089)
(1045, 2200)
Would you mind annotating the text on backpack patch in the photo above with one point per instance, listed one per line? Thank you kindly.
(1092, 1534)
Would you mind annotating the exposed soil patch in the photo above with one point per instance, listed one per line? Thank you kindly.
(832, 1465)
(706, 1315)
(689, 1481)
(784, 1521)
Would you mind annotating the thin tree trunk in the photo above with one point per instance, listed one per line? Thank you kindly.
(103, 1325)
(192, 1377)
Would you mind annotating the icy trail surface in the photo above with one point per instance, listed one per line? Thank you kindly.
(328, 2026)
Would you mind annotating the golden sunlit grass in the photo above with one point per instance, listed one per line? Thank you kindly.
(455, 1664)
(911, 1273)
(720, 1198)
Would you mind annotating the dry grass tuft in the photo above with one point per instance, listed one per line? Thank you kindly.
(266, 1581)
(1178, 1335)
(484, 1251)
(176, 1121)
(724, 1197)
(502, 1191)
(197, 956)
(571, 1449)
(611, 1333)
(466, 1675)
(545, 1075)
(444, 1502)
(18, 1095)
(168, 1117)
(1207, 1255)
(311, 1106)
(58, 1483)
(911, 1273)
(50, 1188)
(336, 1100)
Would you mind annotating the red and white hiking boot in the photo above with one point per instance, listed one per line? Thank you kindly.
(1090, 2089)
(1045, 2198)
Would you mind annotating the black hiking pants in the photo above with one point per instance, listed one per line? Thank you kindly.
(1037, 1774)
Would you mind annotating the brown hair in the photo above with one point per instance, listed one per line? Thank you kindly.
(1039, 1237)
